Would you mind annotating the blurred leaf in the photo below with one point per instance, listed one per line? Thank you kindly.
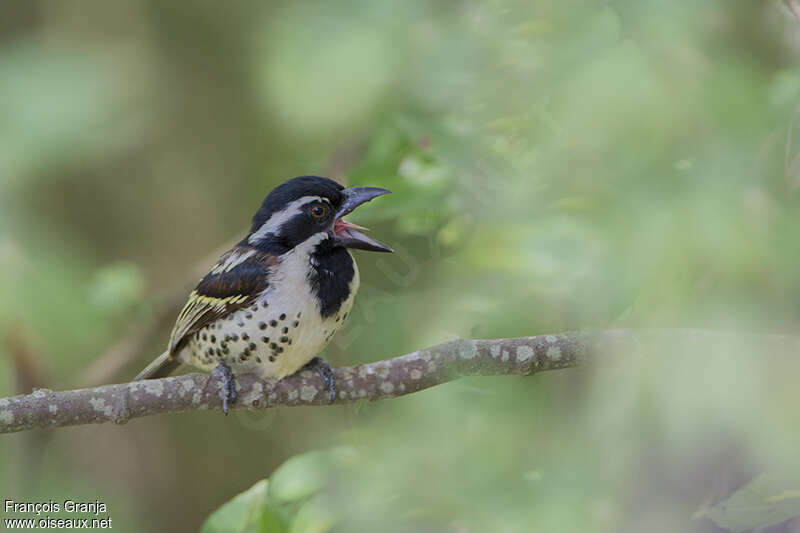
(299, 477)
(339, 84)
(304, 475)
(249, 512)
(406, 160)
(61, 105)
(767, 500)
(116, 287)
(293, 490)
(314, 516)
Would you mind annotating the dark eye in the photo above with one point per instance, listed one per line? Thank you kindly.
(318, 211)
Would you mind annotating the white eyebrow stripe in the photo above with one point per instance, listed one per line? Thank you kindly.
(278, 219)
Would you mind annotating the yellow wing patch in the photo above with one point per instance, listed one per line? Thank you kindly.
(235, 282)
(200, 311)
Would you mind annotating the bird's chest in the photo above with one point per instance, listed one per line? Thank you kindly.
(306, 302)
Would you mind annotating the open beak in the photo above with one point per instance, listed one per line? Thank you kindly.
(350, 235)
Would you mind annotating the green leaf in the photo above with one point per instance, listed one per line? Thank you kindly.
(315, 516)
(289, 496)
(767, 500)
(304, 475)
(248, 512)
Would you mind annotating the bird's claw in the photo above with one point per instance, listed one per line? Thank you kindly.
(321, 367)
(227, 389)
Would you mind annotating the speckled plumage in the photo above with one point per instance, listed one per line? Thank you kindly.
(275, 300)
(280, 330)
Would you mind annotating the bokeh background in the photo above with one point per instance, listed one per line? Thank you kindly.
(555, 165)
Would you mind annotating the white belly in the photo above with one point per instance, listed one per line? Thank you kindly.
(277, 335)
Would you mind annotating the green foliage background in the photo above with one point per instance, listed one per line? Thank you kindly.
(555, 166)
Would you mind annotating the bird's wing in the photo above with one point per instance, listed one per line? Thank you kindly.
(235, 282)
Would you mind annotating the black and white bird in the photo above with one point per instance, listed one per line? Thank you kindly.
(276, 299)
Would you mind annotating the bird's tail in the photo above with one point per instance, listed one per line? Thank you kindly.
(162, 366)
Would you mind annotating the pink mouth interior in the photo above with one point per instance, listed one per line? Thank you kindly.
(342, 226)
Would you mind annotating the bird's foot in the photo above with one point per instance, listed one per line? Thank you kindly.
(321, 367)
(227, 389)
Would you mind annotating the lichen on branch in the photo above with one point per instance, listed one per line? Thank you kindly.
(373, 381)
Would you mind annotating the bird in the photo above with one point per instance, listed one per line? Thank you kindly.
(273, 302)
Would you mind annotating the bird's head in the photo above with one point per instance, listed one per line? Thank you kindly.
(312, 207)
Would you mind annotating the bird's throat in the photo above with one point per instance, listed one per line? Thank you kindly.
(332, 276)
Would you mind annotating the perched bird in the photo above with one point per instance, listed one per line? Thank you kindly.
(276, 299)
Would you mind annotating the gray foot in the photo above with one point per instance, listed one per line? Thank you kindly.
(227, 390)
(321, 367)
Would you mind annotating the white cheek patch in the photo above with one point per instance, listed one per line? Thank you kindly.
(281, 217)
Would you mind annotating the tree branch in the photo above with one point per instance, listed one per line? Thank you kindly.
(374, 381)
(398, 376)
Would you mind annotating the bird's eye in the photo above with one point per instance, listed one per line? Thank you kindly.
(318, 211)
